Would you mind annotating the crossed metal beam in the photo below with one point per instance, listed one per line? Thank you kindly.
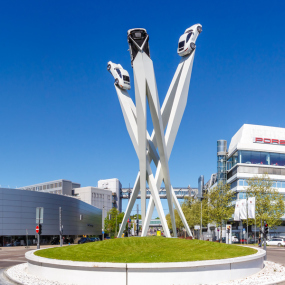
(169, 115)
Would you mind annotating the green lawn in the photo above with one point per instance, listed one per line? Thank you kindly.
(146, 249)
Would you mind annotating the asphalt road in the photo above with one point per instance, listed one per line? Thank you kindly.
(10, 256)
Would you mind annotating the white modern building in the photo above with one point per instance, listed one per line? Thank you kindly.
(115, 186)
(254, 150)
(60, 186)
(99, 198)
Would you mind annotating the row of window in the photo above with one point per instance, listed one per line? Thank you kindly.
(97, 195)
(256, 157)
(45, 187)
(243, 182)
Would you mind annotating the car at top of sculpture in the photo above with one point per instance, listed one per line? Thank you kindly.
(138, 41)
(122, 78)
(186, 43)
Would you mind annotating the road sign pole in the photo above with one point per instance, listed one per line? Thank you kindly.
(264, 241)
(60, 227)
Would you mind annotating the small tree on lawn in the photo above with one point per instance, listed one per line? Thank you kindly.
(110, 224)
(269, 203)
(220, 208)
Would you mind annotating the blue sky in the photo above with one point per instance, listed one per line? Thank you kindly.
(59, 113)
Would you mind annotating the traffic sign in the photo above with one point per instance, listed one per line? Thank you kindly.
(37, 229)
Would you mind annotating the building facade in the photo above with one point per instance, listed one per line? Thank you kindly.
(115, 186)
(18, 215)
(99, 198)
(61, 187)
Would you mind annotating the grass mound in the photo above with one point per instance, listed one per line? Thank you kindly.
(146, 249)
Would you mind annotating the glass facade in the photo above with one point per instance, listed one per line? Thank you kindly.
(257, 158)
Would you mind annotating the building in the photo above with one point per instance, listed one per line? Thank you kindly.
(254, 150)
(61, 186)
(99, 198)
(116, 187)
(18, 216)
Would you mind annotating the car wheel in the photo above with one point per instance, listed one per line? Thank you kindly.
(117, 81)
(279, 244)
(108, 67)
(192, 46)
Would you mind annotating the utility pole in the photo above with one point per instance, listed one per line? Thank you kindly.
(265, 231)
(201, 222)
(138, 220)
(103, 223)
(116, 225)
(60, 227)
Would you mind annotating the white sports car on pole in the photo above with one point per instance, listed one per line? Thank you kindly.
(122, 78)
(186, 43)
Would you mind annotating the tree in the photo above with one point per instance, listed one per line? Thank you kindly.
(191, 208)
(220, 207)
(269, 203)
(116, 219)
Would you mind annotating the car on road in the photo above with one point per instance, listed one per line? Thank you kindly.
(276, 241)
(186, 43)
(122, 77)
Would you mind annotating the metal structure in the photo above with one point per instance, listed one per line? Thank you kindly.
(180, 193)
(166, 121)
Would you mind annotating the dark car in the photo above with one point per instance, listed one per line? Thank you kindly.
(92, 239)
(17, 243)
(55, 240)
(83, 240)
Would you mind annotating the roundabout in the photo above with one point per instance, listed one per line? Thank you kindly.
(149, 260)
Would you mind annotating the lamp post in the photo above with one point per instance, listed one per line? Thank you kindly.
(103, 223)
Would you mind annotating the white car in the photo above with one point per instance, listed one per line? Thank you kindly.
(122, 78)
(276, 241)
(186, 43)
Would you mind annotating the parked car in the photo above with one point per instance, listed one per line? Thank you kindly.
(83, 240)
(92, 239)
(235, 239)
(243, 240)
(55, 240)
(276, 241)
(122, 78)
(17, 243)
(186, 43)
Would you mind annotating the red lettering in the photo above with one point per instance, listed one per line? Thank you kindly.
(258, 139)
(267, 140)
(282, 141)
(275, 141)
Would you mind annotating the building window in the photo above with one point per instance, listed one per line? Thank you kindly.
(234, 184)
(60, 184)
(108, 197)
(55, 185)
(51, 186)
(242, 195)
(44, 187)
(259, 158)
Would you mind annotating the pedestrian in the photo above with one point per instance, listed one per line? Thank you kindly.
(259, 242)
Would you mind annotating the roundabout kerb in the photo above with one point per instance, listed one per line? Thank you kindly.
(194, 272)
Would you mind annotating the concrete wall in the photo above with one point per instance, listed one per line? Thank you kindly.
(197, 272)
